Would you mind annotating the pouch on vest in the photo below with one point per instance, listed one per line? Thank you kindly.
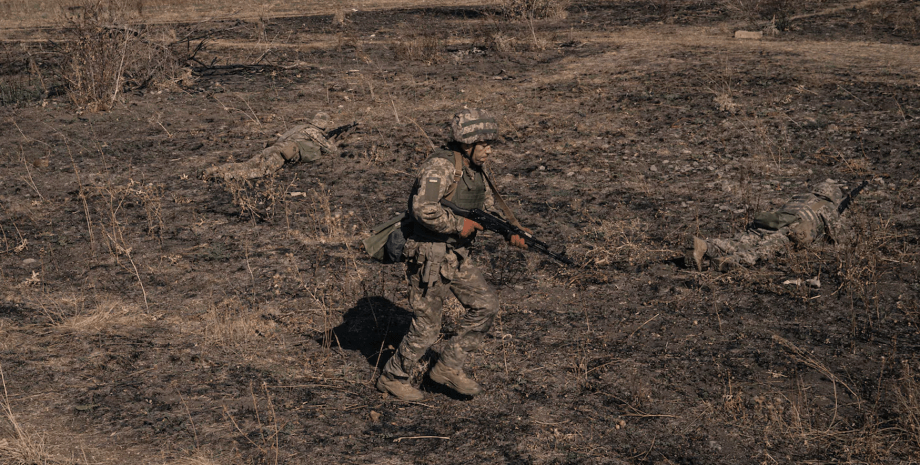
(773, 220)
(309, 152)
(387, 239)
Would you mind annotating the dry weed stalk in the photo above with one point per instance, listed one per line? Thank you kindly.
(907, 393)
(20, 447)
(118, 245)
(802, 356)
(268, 445)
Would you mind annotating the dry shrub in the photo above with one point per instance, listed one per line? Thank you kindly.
(259, 198)
(534, 9)
(423, 47)
(108, 52)
(331, 224)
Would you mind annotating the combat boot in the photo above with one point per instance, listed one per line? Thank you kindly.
(401, 389)
(695, 252)
(454, 379)
(725, 264)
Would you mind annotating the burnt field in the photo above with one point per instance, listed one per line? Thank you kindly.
(148, 316)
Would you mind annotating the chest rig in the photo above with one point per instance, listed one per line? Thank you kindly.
(467, 191)
(809, 209)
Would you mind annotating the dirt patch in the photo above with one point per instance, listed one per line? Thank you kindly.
(148, 316)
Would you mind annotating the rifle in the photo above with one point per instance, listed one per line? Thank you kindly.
(340, 130)
(495, 224)
(845, 203)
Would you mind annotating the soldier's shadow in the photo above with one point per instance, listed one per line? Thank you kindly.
(373, 327)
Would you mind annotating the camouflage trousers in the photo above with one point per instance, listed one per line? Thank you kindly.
(268, 160)
(749, 246)
(433, 277)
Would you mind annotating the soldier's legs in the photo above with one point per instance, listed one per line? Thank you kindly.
(746, 248)
(266, 162)
(427, 303)
(481, 303)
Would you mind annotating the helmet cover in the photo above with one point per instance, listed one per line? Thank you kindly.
(471, 126)
(830, 190)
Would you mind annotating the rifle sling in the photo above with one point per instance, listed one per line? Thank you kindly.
(458, 173)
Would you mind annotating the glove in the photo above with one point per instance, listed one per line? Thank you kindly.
(517, 241)
(469, 227)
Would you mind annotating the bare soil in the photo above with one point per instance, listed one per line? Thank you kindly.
(151, 317)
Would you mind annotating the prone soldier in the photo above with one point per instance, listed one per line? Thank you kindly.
(302, 143)
(806, 218)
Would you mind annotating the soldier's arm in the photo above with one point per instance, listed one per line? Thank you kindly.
(434, 179)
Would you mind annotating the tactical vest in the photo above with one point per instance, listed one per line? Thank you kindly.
(466, 192)
(809, 209)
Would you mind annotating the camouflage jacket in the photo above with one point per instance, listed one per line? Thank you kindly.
(815, 218)
(308, 133)
(433, 182)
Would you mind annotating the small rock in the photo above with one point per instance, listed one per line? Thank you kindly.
(748, 35)
(29, 261)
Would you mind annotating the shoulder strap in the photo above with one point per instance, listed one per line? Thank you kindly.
(458, 172)
(501, 202)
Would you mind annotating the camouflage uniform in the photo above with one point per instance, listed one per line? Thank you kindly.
(803, 220)
(439, 263)
(305, 142)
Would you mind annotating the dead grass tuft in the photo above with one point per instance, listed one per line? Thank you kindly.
(257, 199)
(18, 445)
(230, 323)
(426, 48)
(907, 395)
(534, 9)
(100, 317)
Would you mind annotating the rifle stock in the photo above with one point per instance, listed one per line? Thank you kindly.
(495, 224)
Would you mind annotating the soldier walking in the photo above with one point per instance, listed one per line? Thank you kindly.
(439, 263)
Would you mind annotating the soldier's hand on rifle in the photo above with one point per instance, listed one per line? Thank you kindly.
(469, 227)
(518, 241)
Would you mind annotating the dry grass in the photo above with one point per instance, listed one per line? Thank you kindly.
(534, 9)
(27, 13)
(18, 444)
(232, 324)
(102, 316)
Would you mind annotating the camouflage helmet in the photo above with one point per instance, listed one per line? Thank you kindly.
(830, 190)
(471, 126)
(322, 120)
